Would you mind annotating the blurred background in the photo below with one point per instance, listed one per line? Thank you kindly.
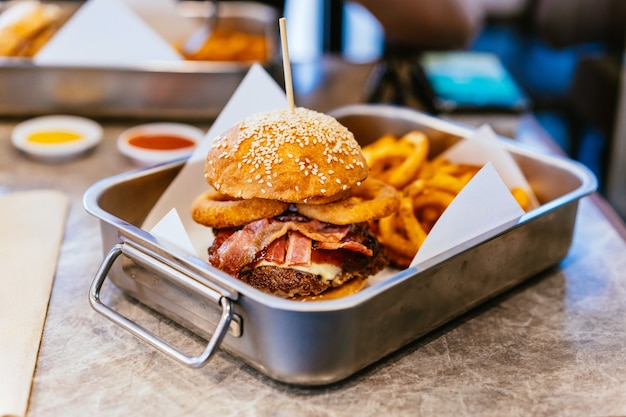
(565, 55)
(561, 61)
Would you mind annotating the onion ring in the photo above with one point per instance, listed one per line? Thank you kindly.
(214, 209)
(370, 200)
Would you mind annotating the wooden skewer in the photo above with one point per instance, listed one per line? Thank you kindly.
(286, 63)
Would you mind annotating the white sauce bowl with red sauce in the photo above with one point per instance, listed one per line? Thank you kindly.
(155, 143)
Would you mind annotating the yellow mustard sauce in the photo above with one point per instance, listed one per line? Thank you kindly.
(52, 137)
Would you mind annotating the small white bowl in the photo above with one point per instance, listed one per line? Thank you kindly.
(89, 132)
(153, 135)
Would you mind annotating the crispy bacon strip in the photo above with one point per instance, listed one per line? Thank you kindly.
(277, 250)
(299, 249)
(242, 246)
(351, 245)
(288, 241)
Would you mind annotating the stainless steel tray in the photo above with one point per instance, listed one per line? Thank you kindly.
(166, 90)
(315, 343)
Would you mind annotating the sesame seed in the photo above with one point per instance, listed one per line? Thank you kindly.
(265, 133)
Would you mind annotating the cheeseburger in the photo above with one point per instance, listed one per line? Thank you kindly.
(289, 203)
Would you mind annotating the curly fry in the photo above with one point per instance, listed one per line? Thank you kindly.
(522, 197)
(427, 188)
(433, 197)
(413, 161)
(414, 230)
(394, 239)
(397, 161)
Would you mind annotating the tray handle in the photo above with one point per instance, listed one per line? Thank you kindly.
(144, 334)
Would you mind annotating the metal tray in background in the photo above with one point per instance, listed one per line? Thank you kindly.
(315, 343)
(154, 90)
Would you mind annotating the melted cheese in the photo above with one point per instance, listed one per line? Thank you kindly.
(328, 272)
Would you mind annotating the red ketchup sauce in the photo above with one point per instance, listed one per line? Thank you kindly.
(160, 142)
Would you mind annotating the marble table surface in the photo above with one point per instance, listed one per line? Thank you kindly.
(556, 345)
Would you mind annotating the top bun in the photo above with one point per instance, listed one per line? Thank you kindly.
(297, 157)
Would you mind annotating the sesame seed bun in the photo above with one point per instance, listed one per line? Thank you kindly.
(299, 157)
